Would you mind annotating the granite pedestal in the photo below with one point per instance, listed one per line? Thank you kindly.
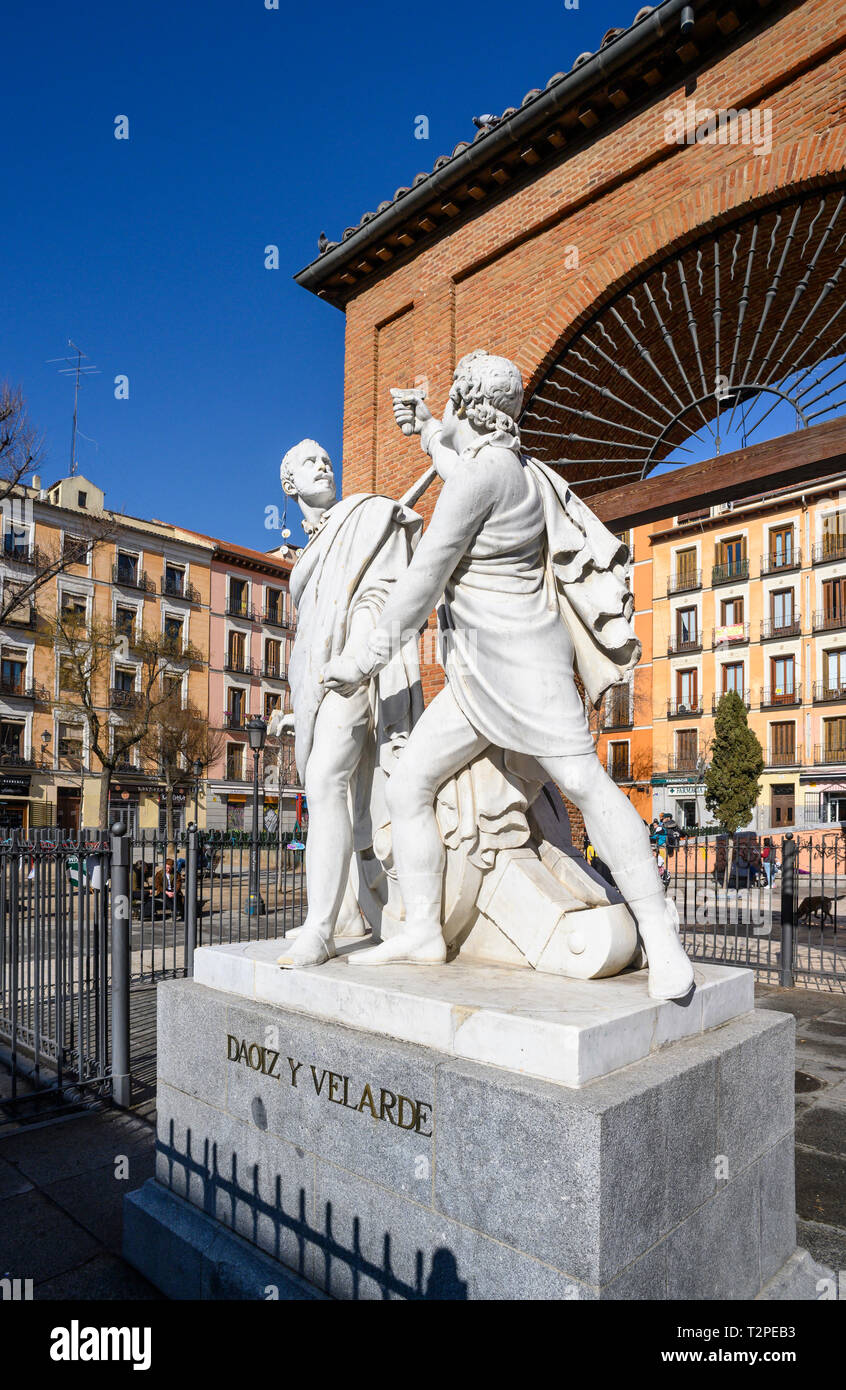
(464, 1132)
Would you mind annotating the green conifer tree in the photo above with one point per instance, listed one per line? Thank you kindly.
(737, 761)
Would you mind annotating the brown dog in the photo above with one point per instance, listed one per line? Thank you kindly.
(813, 907)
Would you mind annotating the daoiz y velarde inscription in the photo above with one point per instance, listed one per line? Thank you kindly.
(366, 1099)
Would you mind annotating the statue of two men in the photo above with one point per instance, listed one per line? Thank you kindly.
(529, 589)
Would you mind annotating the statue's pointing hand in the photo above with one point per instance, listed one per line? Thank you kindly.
(410, 412)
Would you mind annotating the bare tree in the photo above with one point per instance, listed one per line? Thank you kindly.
(21, 453)
(179, 736)
(117, 721)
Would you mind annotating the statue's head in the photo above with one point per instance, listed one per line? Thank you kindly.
(487, 391)
(306, 473)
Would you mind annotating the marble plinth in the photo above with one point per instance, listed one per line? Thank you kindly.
(299, 1154)
(568, 1031)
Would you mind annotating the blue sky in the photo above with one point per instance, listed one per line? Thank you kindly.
(247, 127)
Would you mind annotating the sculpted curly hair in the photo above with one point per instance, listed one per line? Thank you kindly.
(293, 457)
(488, 390)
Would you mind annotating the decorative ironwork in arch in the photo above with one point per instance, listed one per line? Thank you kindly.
(738, 337)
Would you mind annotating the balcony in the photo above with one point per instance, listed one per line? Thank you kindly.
(29, 555)
(783, 757)
(781, 564)
(827, 692)
(684, 582)
(18, 691)
(781, 627)
(829, 622)
(830, 548)
(277, 618)
(676, 645)
(680, 709)
(234, 719)
(240, 666)
(10, 757)
(685, 766)
(172, 588)
(620, 772)
(773, 699)
(729, 635)
(274, 673)
(239, 608)
(745, 695)
(827, 756)
(730, 573)
(124, 699)
(127, 577)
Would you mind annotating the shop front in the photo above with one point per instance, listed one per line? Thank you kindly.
(14, 802)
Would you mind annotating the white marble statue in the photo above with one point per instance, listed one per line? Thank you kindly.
(356, 551)
(529, 587)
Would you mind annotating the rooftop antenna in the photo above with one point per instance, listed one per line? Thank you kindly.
(76, 370)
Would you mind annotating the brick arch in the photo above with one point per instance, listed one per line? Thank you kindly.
(809, 163)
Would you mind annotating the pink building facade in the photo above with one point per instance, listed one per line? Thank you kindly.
(251, 632)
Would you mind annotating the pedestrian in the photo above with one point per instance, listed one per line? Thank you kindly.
(168, 888)
(768, 860)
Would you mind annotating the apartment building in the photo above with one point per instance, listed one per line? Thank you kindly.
(141, 577)
(251, 634)
(752, 598)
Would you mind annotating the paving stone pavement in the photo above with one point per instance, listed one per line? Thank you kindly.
(63, 1180)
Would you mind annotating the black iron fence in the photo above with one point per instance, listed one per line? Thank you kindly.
(84, 921)
(779, 907)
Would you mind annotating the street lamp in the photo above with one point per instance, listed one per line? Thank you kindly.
(257, 732)
(198, 772)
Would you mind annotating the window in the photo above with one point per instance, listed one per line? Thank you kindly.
(687, 627)
(687, 745)
(781, 679)
(835, 672)
(19, 614)
(74, 607)
(125, 621)
(174, 579)
(12, 671)
(686, 564)
(237, 652)
(834, 535)
(16, 542)
(235, 762)
(619, 761)
(781, 547)
(67, 674)
(11, 739)
(782, 743)
(238, 595)
(272, 658)
(618, 705)
(732, 612)
(834, 600)
(127, 567)
(172, 688)
(731, 553)
(781, 609)
(124, 678)
(835, 735)
(271, 702)
(687, 689)
(237, 708)
(733, 677)
(70, 747)
(75, 550)
(173, 632)
(274, 608)
(82, 499)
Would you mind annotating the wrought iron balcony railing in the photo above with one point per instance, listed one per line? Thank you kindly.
(830, 548)
(278, 618)
(827, 621)
(745, 695)
(238, 608)
(780, 563)
(781, 627)
(174, 588)
(772, 698)
(784, 757)
(683, 581)
(274, 672)
(677, 709)
(23, 615)
(618, 712)
(730, 635)
(677, 644)
(240, 666)
(129, 578)
(827, 692)
(9, 757)
(685, 766)
(620, 772)
(19, 690)
(826, 754)
(124, 699)
(729, 573)
(234, 719)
